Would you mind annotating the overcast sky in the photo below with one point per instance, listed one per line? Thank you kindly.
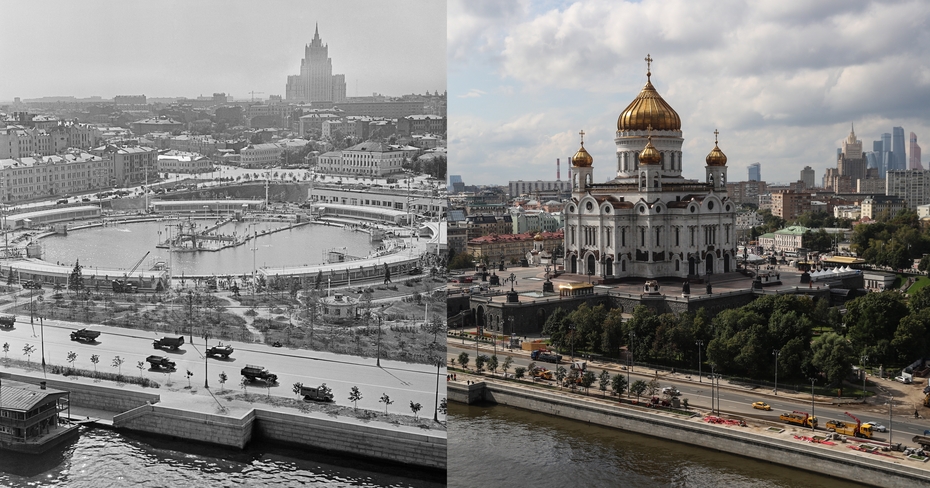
(163, 48)
(781, 80)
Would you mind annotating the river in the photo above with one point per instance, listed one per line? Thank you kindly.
(498, 446)
(101, 457)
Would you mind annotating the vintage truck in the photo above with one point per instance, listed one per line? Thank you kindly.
(84, 335)
(220, 350)
(172, 343)
(6, 321)
(320, 393)
(253, 372)
(160, 362)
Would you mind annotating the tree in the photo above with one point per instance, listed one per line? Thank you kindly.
(508, 362)
(653, 387)
(492, 363)
(415, 408)
(118, 363)
(72, 356)
(604, 382)
(832, 355)
(638, 388)
(910, 338)
(28, 349)
(479, 363)
(386, 400)
(141, 367)
(587, 379)
(75, 279)
(618, 384)
(463, 360)
(519, 372)
(296, 389)
(560, 374)
(223, 379)
(871, 322)
(95, 359)
(462, 261)
(6, 349)
(244, 383)
(354, 396)
(443, 406)
(387, 274)
(919, 300)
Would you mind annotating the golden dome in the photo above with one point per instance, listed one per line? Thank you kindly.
(649, 155)
(538, 237)
(716, 156)
(582, 159)
(649, 109)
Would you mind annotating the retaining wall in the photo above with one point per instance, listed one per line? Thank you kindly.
(93, 396)
(780, 451)
(278, 427)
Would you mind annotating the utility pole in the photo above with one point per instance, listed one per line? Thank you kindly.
(206, 338)
(776, 353)
(699, 344)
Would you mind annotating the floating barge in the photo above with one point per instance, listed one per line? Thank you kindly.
(31, 419)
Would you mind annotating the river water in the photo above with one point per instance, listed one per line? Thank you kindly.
(121, 246)
(494, 446)
(104, 458)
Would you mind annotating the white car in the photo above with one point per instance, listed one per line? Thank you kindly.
(878, 427)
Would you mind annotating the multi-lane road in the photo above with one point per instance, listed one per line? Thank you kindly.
(735, 399)
(402, 382)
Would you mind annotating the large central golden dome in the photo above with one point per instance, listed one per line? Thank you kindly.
(649, 109)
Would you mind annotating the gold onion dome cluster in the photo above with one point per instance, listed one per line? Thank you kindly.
(649, 155)
(716, 156)
(581, 158)
(649, 109)
(538, 237)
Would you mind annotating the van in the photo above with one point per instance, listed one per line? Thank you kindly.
(475, 289)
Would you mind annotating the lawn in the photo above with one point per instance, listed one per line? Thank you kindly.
(920, 283)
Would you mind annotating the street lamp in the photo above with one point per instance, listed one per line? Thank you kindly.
(630, 360)
(206, 347)
(699, 344)
(812, 402)
(776, 353)
(572, 328)
(890, 417)
(863, 360)
(190, 313)
(713, 375)
(380, 318)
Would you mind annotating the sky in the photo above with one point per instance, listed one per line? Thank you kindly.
(781, 80)
(174, 48)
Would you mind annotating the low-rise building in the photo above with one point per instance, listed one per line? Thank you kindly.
(49, 176)
(260, 155)
(513, 247)
(878, 206)
(183, 162)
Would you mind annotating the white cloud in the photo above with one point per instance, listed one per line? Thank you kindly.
(782, 80)
(473, 93)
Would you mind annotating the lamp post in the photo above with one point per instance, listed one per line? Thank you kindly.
(572, 328)
(713, 375)
(380, 318)
(190, 313)
(812, 402)
(776, 353)
(630, 360)
(890, 417)
(206, 347)
(439, 363)
(699, 344)
(862, 360)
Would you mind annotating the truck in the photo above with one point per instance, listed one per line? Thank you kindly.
(541, 373)
(172, 343)
(220, 350)
(253, 372)
(580, 366)
(320, 393)
(543, 355)
(6, 321)
(923, 440)
(857, 429)
(124, 286)
(84, 335)
(803, 419)
(160, 362)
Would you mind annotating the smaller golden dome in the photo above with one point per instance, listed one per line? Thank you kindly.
(716, 156)
(649, 155)
(582, 159)
(538, 237)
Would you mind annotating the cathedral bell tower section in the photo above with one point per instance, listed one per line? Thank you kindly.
(582, 171)
(717, 167)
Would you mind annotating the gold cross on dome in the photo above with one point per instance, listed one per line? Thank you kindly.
(716, 132)
(582, 137)
(648, 66)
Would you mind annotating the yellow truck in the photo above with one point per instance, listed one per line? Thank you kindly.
(857, 429)
(803, 419)
(541, 374)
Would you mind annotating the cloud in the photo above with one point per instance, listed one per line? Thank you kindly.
(780, 80)
(473, 93)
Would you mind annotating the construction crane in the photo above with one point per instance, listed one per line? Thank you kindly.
(123, 285)
(254, 92)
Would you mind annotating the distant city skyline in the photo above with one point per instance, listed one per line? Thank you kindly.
(186, 49)
(781, 81)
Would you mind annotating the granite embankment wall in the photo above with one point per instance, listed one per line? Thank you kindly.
(791, 453)
(93, 396)
(278, 427)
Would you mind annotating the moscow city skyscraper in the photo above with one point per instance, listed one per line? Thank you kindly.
(897, 146)
(316, 81)
(914, 150)
(755, 172)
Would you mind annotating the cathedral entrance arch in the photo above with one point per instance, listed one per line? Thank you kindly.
(726, 263)
(591, 265)
(479, 317)
(609, 267)
(574, 264)
(710, 263)
(692, 269)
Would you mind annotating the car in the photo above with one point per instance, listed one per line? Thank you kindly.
(761, 405)
(878, 427)
(670, 390)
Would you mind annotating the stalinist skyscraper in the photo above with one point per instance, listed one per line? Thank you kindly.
(316, 82)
